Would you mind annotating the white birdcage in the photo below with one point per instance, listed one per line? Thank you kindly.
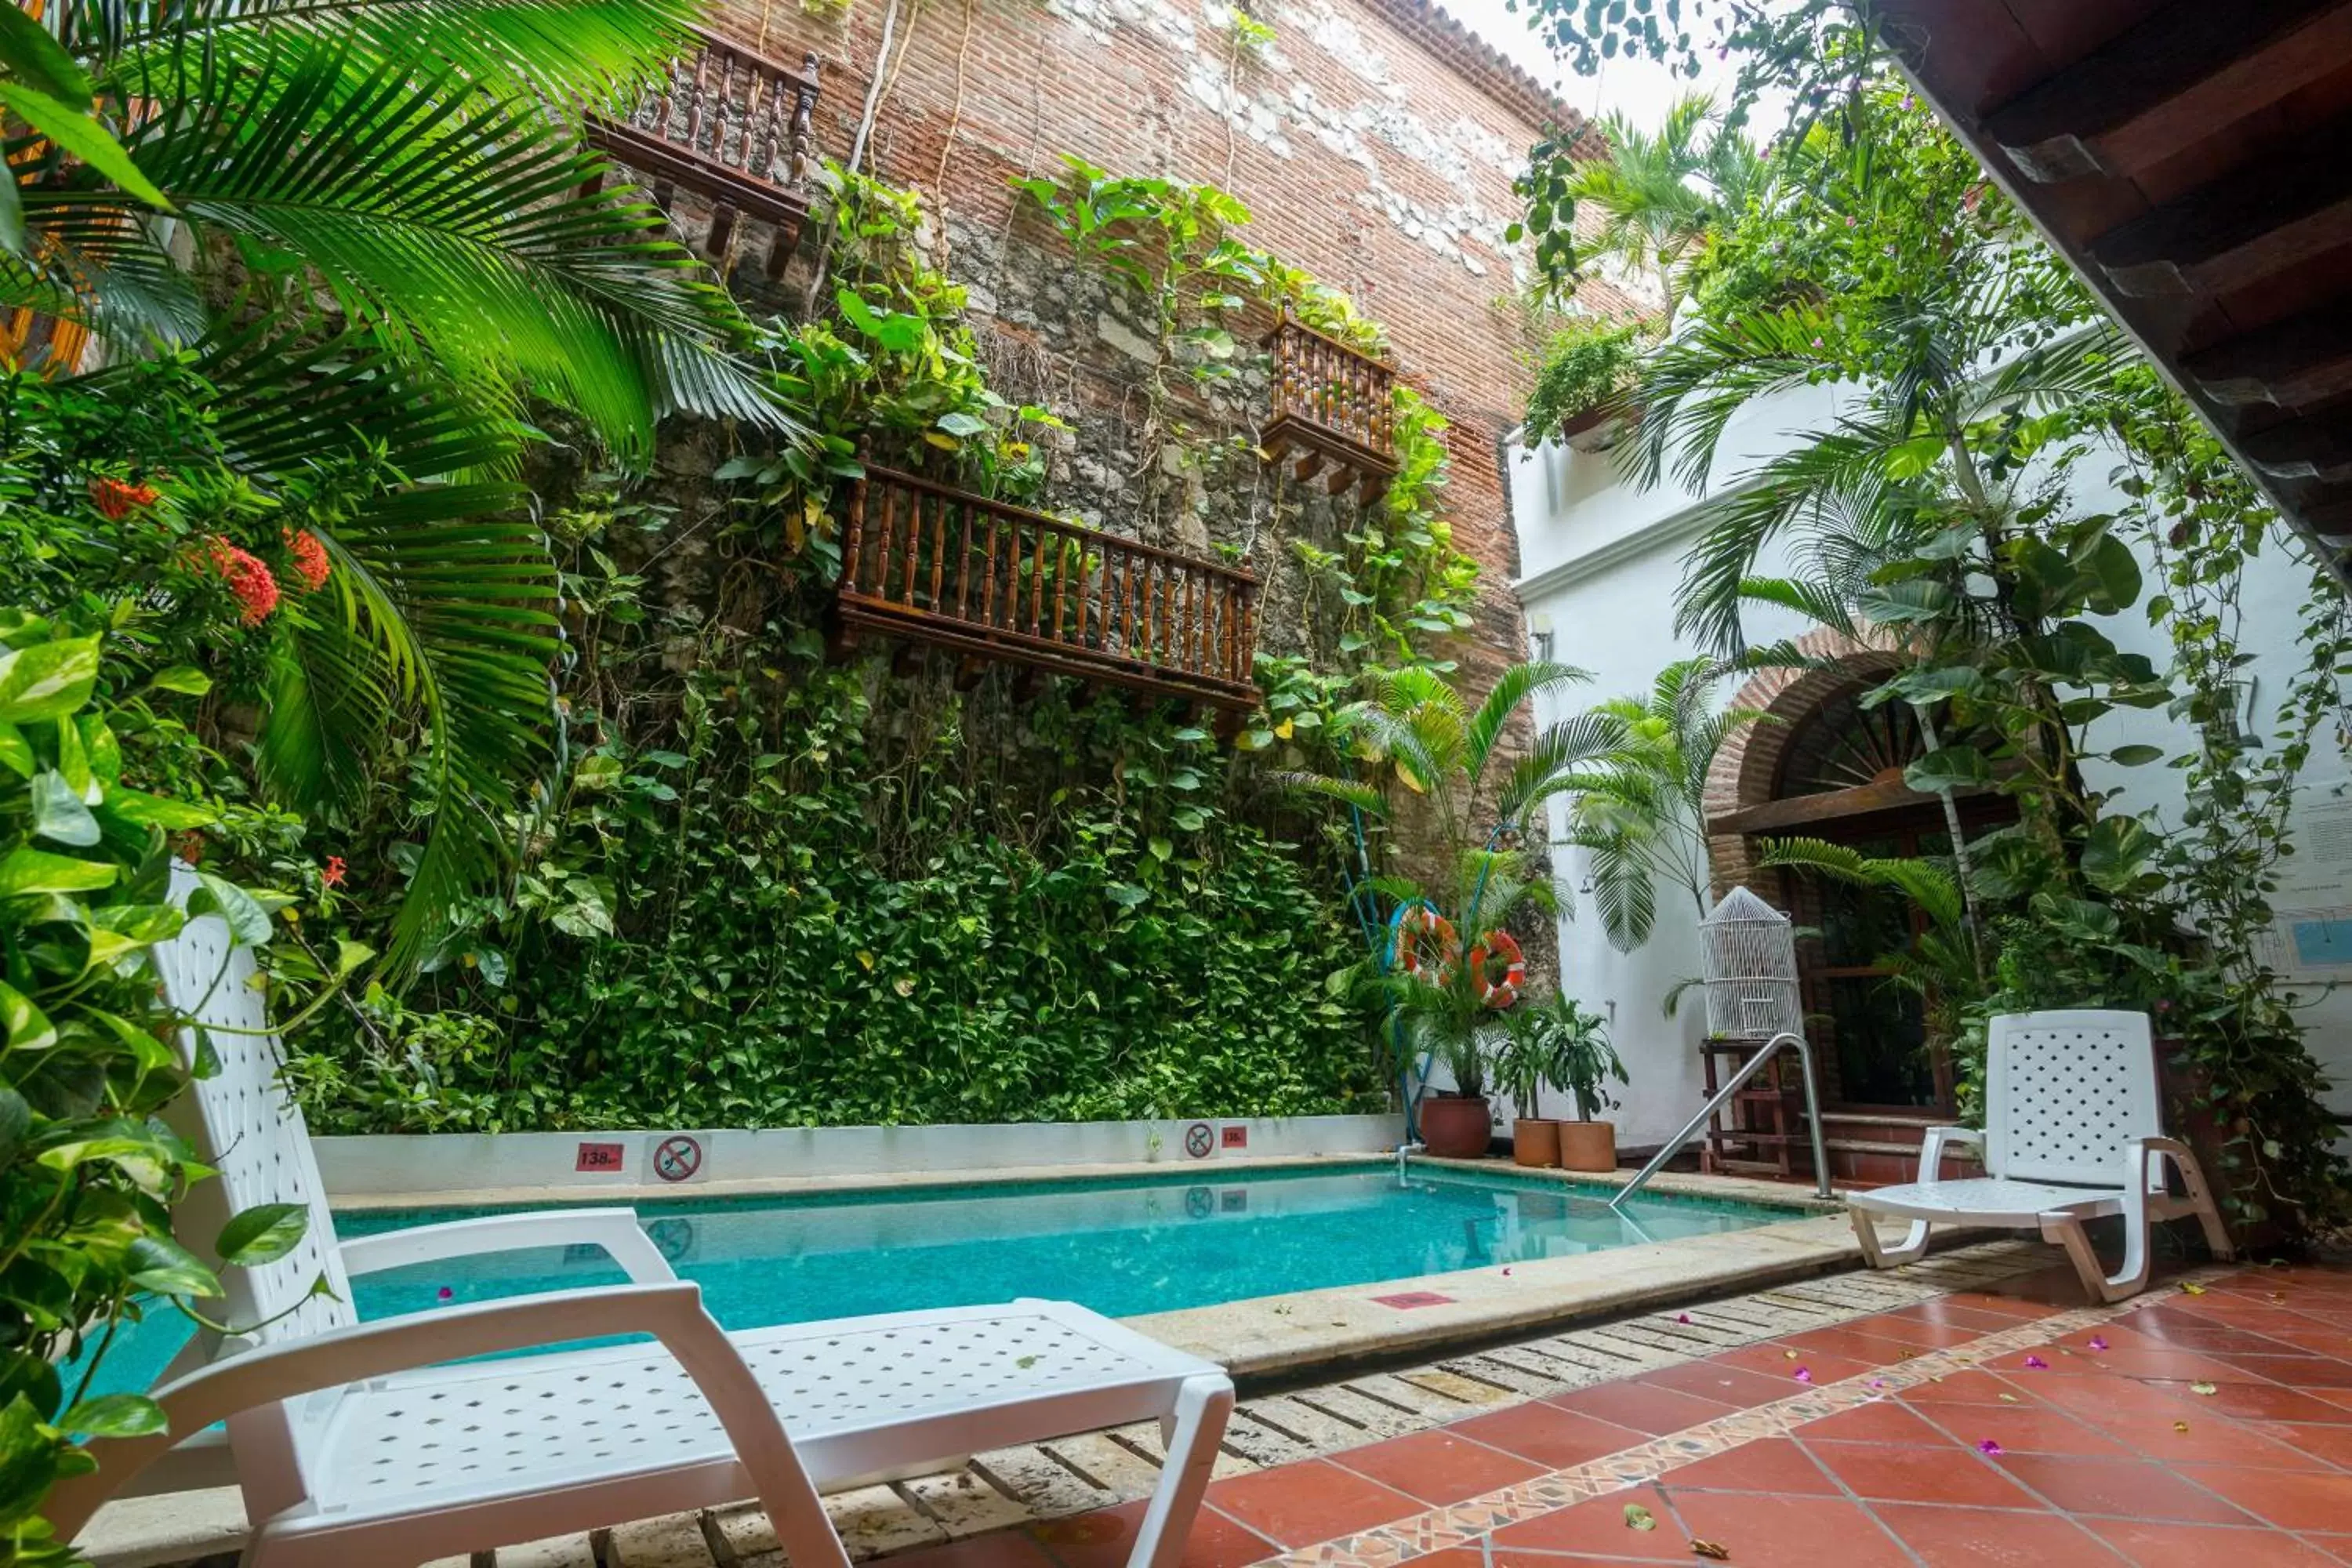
(1750, 970)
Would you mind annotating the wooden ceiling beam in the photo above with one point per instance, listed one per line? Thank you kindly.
(2317, 447)
(2230, 234)
(2163, 85)
(2328, 514)
(2299, 363)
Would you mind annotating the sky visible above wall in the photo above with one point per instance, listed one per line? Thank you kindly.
(1639, 88)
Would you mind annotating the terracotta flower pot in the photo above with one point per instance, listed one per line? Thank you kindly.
(1455, 1128)
(1534, 1141)
(1588, 1145)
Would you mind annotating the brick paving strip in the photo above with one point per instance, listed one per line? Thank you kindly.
(1464, 1523)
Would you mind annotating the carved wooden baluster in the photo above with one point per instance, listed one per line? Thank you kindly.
(914, 547)
(854, 546)
(939, 547)
(988, 565)
(762, 121)
(885, 555)
(1231, 610)
(804, 110)
(1165, 644)
(1126, 602)
(964, 563)
(1061, 581)
(1037, 583)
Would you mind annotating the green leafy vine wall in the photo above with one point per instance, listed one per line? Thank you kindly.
(776, 887)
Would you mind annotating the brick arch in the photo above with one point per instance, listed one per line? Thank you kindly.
(1746, 766)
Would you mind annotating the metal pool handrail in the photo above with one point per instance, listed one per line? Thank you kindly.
(1754, 1065)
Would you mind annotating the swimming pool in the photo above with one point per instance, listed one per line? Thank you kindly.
(1122, 1246)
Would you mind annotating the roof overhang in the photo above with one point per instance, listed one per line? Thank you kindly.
(2193, 159)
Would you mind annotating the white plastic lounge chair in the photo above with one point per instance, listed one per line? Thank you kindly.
(354, 1448)
(2073, 1130)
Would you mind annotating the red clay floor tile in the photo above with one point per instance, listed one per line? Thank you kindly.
(2260, 1402)
(1553, 1437)
(1787, 1532)
(2308, 1501)
(2030, 1429)
(1644, 1407)
(1437, 1467)
(1884, 1421)
(1849, 1343)
(1969, 1387)
(1907, 1473)
(1765, 1464)
(2332, 1444)
(1311, 1501)
(1988, 1538)
(1772, 1360)
(1598, 1529)
(2146, 1543)
(1730, 1385)
(2213, 1440)
(1103, 1539)
(2124, 1488)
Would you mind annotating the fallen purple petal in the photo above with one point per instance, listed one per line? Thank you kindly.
(2036, 1362)
(1989, 1446)
(1803, 1375)
(446, 1292)
(2098, 1342)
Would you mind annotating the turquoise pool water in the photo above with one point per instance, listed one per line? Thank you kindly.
(1122, 1246)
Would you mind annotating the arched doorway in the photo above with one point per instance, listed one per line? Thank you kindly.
(1824, 764)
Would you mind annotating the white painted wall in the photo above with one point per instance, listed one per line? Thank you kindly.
(588, 1164)
(1603, 558)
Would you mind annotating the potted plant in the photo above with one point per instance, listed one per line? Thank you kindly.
(1588, 368)
(1568, 1050)
(1446, 1017)
(1521, 1071)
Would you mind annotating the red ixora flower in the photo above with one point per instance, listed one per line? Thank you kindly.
(247, 579)
(118, 498)
(332, 872)
(311, 562)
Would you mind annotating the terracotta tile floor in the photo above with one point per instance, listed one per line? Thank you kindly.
(2208, 1423)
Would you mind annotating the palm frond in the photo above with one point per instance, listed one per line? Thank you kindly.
(446, 606)
(1512, 688)
(442, 215)
(1353, 793)
(598, 52)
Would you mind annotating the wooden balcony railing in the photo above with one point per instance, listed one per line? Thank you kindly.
(1334, 407)
(733, 127)
(993, 582)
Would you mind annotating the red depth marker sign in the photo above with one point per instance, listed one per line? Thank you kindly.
(598, 1157)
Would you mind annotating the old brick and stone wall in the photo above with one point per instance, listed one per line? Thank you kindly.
(1373, 141)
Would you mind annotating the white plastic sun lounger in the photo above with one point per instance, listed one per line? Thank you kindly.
(354, 1448)
(2074, 1132)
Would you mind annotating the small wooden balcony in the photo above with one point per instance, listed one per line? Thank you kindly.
(1333, 412)
(995, 583)
(731, 128)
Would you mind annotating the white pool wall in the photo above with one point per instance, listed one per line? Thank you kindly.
(471, 1164)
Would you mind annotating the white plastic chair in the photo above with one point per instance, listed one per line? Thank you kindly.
(353, 1446)
(2074, 1132)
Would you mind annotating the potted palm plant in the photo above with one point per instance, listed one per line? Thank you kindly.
(1443, 1016)
(1567, 1048)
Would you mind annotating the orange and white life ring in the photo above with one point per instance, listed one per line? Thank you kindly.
(1497, 944)
(1421, 924)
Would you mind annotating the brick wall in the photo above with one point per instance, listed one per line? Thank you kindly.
(1373, 141)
